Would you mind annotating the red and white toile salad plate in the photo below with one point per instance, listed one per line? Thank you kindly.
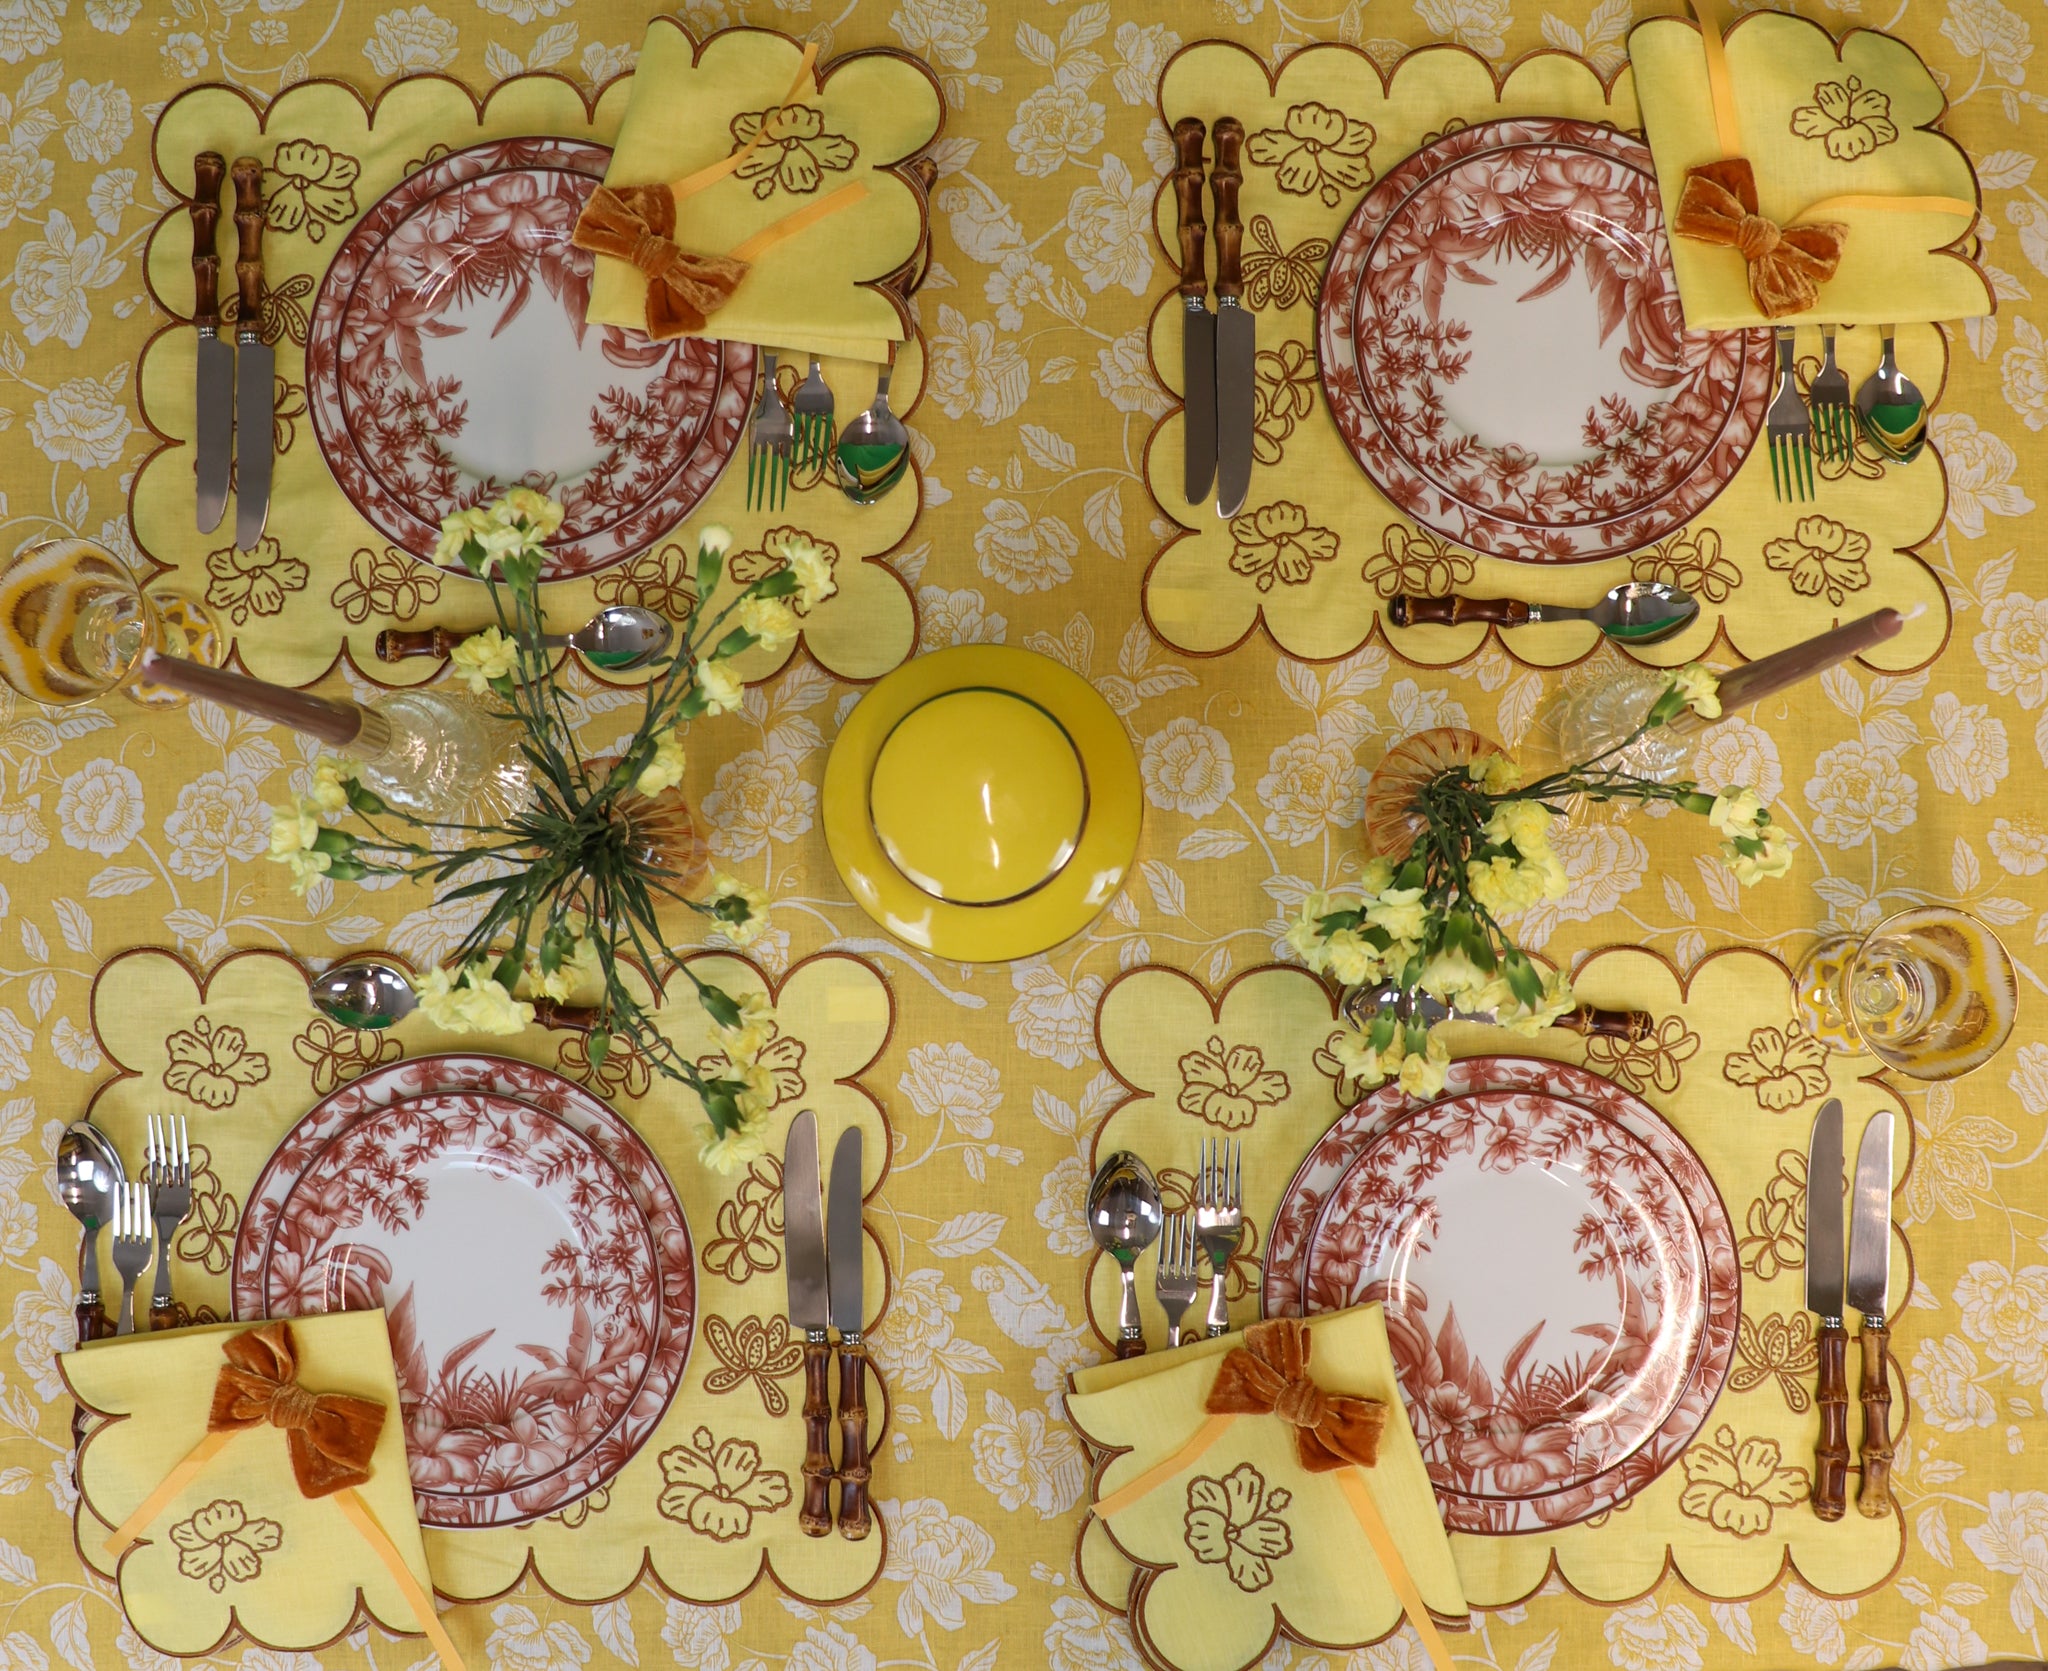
(1502, 348)
(1653, 1211)
(449, 358)
(530, 1253)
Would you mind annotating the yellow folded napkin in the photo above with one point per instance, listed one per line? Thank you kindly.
(1242, 1495)
(1835, 139)
(252, 1479)
(810, 290)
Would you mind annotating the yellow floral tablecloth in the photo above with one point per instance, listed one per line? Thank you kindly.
(1036, 528)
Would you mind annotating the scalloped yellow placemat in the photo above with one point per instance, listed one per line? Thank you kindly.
(1251, 1062)
(1318, 550)
(244, 1056)
(323, 580)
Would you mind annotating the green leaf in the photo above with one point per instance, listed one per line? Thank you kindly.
(1523, 980)
(718, 1004)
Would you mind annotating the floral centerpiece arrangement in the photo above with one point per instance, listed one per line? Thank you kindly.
(569, 884)
(1428, 919)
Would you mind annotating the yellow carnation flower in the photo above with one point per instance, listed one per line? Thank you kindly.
(665, 770)
(770, 620)
(720, 687)
(482, 657)
(1701, 688)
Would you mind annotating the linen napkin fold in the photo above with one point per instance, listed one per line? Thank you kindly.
(1243, 1494)
(288, 1500)
(810, 290)
(1843, 219)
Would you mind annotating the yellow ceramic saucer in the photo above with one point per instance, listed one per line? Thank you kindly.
(983, 803)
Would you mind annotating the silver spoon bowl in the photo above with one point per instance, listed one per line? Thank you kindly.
(1635, 612)
(873, 453)
(87, 1171)
(1892, 410)
(1125, 1218)
(364, 993)
(618, 638)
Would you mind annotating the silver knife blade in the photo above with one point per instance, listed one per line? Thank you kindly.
(216, 427)
(1870, 1220)
(1198, 379)
(848, 1260)
(1824, 1212)
(803, 1225)
(1236, 383)
(255, 366)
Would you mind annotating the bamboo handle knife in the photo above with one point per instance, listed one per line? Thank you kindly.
(208, 170)
(1831, 1454)
(1874, 1494)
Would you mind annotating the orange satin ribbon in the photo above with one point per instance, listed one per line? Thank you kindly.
(330, 1437)
(1333, 1432)
(1787, 263)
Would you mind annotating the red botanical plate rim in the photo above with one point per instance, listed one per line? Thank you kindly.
(1675, 1198)
(1359, 428)
(364, 262)
(1731, 392)
(1709, 1211)
(735, 364)
(545, 1089)
(651, 1312)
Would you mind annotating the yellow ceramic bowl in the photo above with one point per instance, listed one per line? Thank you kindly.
(983, 803)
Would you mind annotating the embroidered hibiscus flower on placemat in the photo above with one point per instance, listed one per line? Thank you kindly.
(1235, 1523)
(246, 583)
(211, 1063)
(1284, 394)
(1738, 1487)
(1823, 556)
(1228, 1086)
(221, 1545)
(1785, 1069)
(795, 150)
(1319, 150)
(716, 1487)
(1850, 119)
(1276, 542)
(1776, 1222)
(308, 188)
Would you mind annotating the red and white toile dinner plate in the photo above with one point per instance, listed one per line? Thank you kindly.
(530, 1251)
(1642, 1452)
(448, 358)
(1502, 347)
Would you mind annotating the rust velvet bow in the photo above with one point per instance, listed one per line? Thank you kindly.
(331, 1436)
(638, 224)
(1787, 264)
(1269, 1373)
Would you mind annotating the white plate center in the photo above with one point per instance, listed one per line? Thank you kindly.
(1537, 366)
